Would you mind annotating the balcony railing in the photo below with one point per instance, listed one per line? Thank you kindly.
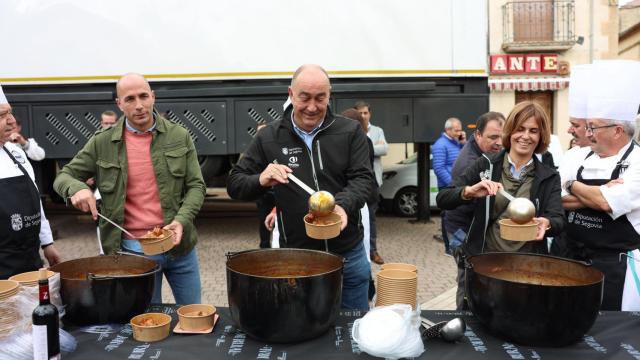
(542, 25)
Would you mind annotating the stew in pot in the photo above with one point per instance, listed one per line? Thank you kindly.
(532, 277)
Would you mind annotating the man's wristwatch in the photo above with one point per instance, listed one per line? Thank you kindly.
(568, 184)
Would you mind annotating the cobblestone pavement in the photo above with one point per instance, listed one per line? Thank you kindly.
(399, 241)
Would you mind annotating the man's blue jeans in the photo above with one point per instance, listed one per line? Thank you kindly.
(355, 280)
(183, 275)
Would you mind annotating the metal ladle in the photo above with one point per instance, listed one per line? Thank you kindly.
(321, 203)
(118, 226)
(521, 210)
(451, 330)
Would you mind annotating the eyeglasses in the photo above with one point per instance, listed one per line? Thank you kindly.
(591, 129)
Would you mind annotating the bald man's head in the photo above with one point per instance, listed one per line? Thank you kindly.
(136, 100)
(128, 78)
(309, 92)
(308, 68)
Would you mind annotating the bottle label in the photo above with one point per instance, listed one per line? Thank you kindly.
(40, 350)
(44, 292)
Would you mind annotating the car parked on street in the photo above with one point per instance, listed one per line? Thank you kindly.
(399, 190)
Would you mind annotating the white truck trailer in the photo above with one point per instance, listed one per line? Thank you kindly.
(221, 67)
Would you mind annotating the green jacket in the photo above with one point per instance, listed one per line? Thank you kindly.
(178, 175)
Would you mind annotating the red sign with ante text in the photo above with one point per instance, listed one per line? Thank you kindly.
(523, 63)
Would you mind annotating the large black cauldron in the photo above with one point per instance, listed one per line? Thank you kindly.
(533, 300)
(106, 289)
(284, 295)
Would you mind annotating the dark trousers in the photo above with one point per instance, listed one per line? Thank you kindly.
(264, 205)
(373, 234)
(445, 237)
(443, 230)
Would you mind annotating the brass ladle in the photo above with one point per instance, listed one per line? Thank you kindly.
(321, 203)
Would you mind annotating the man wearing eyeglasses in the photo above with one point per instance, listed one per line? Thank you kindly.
(603, 201)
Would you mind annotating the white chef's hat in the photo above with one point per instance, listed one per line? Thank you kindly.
(579, 90)
(3, 99)
(614, 92)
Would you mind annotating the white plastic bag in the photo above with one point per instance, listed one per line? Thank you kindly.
(20, 345)
(390, 332)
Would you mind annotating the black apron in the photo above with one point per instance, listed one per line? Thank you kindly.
(595, 237)
(19, 224)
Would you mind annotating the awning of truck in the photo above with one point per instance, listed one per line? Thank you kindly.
(528, 83)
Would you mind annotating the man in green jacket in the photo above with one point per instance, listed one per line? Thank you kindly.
(147, 171)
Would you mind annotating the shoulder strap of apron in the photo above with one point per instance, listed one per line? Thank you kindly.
(622, 164)
(24, 171)
(579, 175)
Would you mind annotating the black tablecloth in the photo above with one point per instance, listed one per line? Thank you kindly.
(615, 335)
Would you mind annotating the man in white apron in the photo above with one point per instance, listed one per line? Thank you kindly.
(23, 226)
(579, 83)
(604, 199)
(578, 96)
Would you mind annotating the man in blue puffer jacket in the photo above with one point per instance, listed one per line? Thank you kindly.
(445, 151)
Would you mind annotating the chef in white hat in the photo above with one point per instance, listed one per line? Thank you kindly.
(604, 217)
(23, 227)
(578, 96)
(579, 84)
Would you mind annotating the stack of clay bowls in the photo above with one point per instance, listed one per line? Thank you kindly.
(30, 278)
(397, 284)
(8, 312)
(29, 284)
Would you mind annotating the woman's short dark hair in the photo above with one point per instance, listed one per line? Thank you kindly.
(522, 112)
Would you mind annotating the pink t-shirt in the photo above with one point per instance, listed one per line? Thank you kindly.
(142, 209)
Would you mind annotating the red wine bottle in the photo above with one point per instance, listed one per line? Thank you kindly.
(46, 334)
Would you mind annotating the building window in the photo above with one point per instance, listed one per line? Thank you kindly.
(538, 25)
(544, 98)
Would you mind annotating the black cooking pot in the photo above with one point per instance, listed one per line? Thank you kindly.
(533, 300)
(284, 295)
(106, 289)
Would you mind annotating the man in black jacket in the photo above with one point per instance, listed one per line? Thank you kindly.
(325, 151)
(486, 139)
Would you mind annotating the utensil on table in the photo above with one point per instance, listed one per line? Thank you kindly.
(431, 329)
(118, 226)
(451, 330)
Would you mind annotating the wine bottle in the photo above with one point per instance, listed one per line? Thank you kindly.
(46, 334)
